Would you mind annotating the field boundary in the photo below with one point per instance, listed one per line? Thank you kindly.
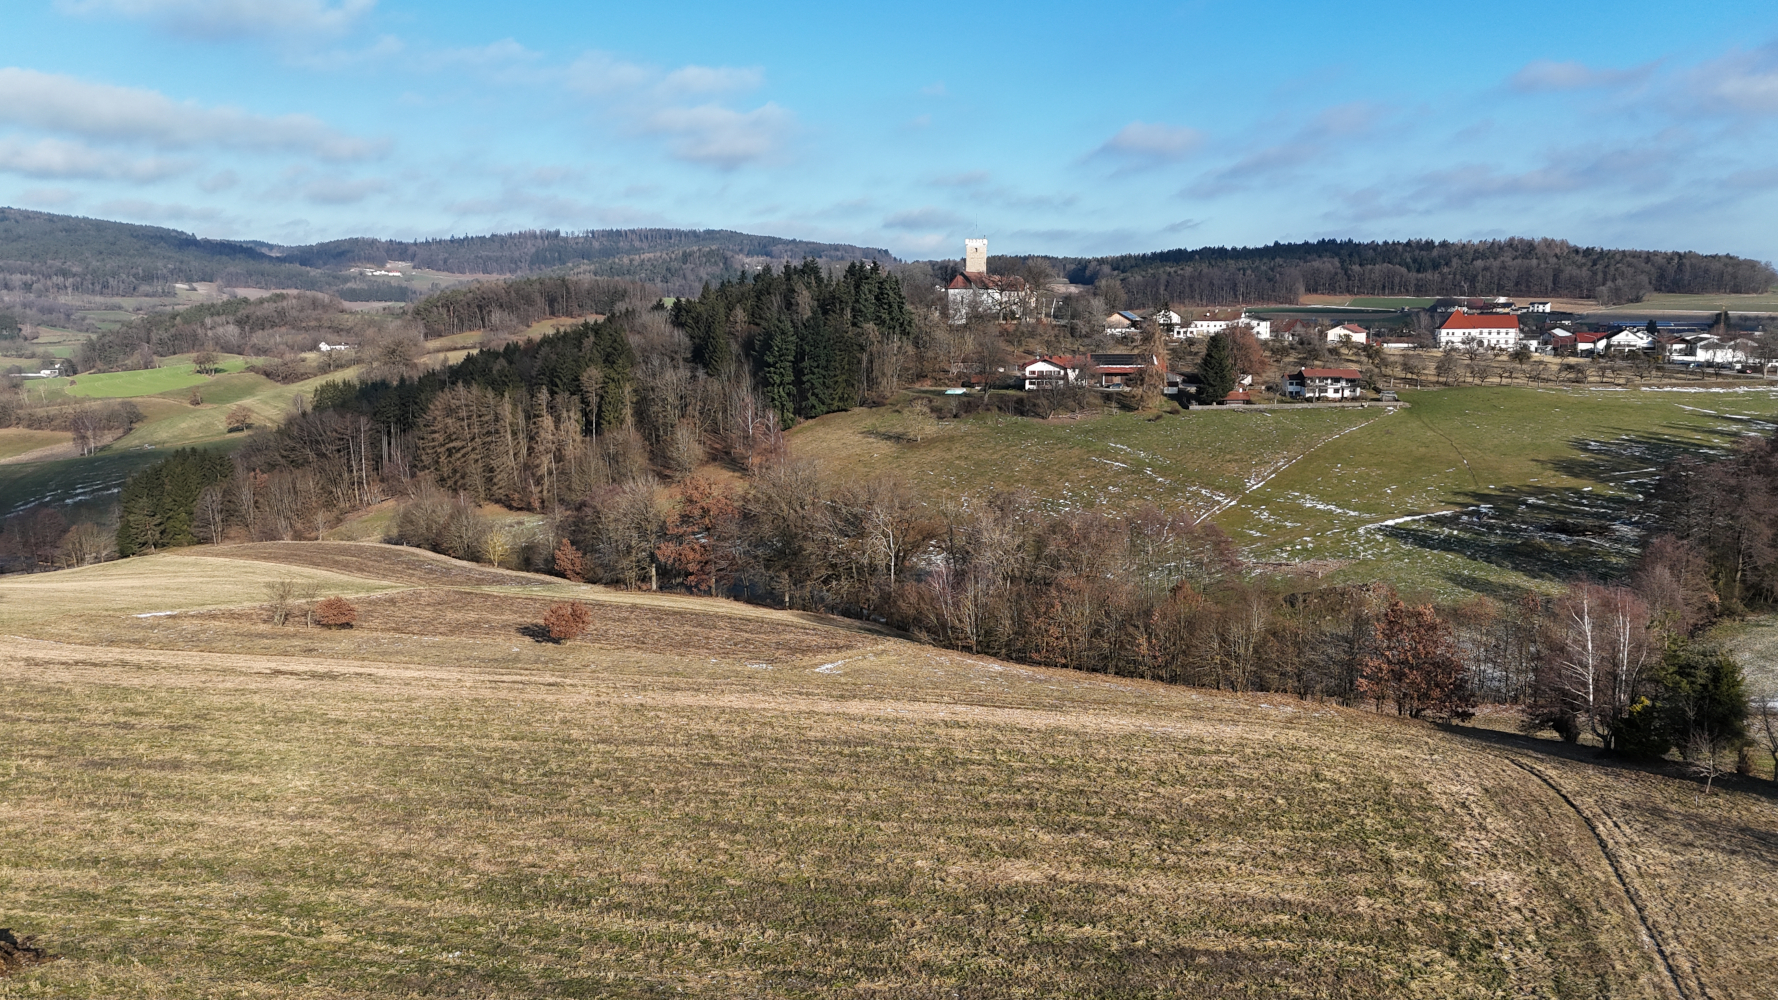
(1631, 892)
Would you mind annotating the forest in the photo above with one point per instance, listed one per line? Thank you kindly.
(1533, 268)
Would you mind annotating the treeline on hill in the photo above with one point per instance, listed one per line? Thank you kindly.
(43, 254)
(271, 326)
(546, 249)
(507, 306)
(1513, 267)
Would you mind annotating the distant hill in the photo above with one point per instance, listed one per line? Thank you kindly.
(1533, 268)
(46, 254)
(544, 249)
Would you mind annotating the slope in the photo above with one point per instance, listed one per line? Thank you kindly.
(727, 801)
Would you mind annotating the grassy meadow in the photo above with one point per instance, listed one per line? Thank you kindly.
(1464, 490)
(169, 421)
(711, 799)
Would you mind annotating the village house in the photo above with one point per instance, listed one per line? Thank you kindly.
(975, 292)
(1116, 371)
(1209, 322)
(1704, 351)
(1324, 383)
(1348, 333)
(1497, 331)
(1122, 323)
(1049, 371)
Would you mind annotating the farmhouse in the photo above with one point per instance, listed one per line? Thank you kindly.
(1122, 322)
(324, 347)
(1116, 371)
(1324, 383)
(1348, 333)
(1049, 371)
(1499, 331)
(975, 292)
(1208, 322)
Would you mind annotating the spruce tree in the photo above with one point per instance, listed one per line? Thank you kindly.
(1216, 373)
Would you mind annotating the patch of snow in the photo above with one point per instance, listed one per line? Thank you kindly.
(156, 614)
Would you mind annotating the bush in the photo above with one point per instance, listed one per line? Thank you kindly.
(335, 612)
(566, 620)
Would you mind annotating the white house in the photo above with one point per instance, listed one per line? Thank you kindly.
(1630, 338)
(1324, 383)
(324, 347)
(1348, 332)
(1049, 371)
(1713, 351)
(975, 292)
(1537, 307)
(1210, 322)
(1497, 331)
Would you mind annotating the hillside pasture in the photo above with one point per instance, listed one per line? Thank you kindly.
(717, 800)
(174, 375)
(16, 442)
(1465, 490)
(169, 421)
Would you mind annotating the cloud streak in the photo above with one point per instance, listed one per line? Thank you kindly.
(221, 20)
(102, 112)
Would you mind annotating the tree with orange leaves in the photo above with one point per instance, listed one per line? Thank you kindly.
(1412, 662)
(700, 528)
(569, 562)
(567, 620)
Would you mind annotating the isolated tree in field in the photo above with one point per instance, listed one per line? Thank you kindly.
(335, 612)
(196, 398)
(279, 594)
(204, 362)
(567, 620)
(1412, 662)
(240, 418)
(1216, 372)
(569, 562)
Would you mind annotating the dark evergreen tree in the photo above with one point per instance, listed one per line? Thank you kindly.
(157, 504)
(1216, 372)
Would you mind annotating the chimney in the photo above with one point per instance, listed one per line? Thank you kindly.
(975, 256)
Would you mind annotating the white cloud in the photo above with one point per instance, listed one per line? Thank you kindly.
(220, 181)
(923, 218)
(1740, 82)
(1151, 143)
(154, 211)
(59, 158)
(649, 101)
(222, 19)
(722, 137)
(342, 190)
(689, 80)
(1547, 75)
(599, 74)
(48, 197)
(99, 111)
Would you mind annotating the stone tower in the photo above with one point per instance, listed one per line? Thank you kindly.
(975, 256)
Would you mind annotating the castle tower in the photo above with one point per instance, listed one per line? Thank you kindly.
(975, 256)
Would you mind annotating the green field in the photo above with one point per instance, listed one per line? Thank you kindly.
(1390, 303)
(169, 422)
(173, 375)
(1525, 487)
(707, 799)
(1666, 302)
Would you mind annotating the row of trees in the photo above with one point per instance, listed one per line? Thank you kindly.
(1515, 267)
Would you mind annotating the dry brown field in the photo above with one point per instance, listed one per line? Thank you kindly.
(709, 799)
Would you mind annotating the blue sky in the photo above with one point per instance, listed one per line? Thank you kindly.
(1049, 128)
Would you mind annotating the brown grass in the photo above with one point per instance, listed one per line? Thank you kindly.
(464, 812)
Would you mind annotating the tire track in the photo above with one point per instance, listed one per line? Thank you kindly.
(1674, 980)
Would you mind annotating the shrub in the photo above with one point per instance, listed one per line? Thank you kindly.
(566, 620)
(335, 612)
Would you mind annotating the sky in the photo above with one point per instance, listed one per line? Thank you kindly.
(1051, 128)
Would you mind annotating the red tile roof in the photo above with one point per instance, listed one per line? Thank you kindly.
(1351, 373)
(1480, 321)
(996, 282)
